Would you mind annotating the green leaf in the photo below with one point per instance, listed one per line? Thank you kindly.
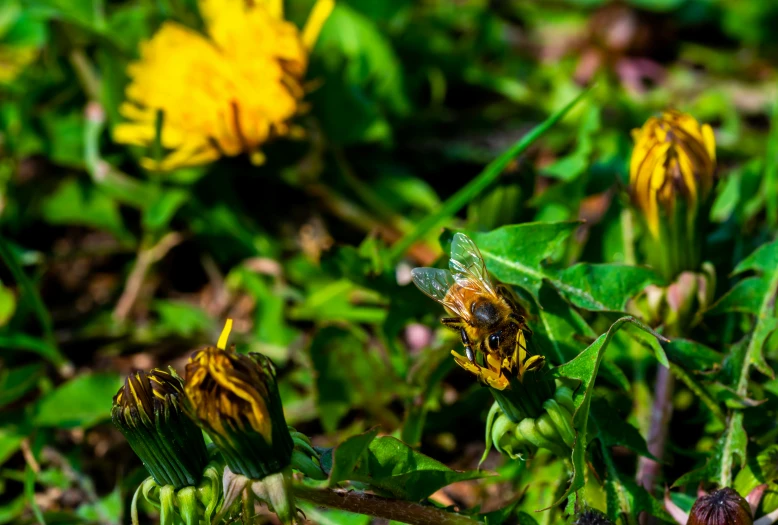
(612, 429)
(181, 318)
(573, 165)
(583, 369)
(28, 343)
(270, 323)
(30, 295)
(625, 498)
(85, 13)
(16, 382)
(604, 287)
(477, 185)
(10, 441)
(160, 211)
(560, 330)
(84, 205)
(351, 40)
(393, 467)
(7, 304)
(66, 138)
(515, 255)
(761, 261)
(10, 511)
(699, 389)
(346, 376)
(347, 454)
(749, 294)
(107, 509)
(694, 356)
(363, 73)
(333, 302)
(500, 516)
(760, 469)
(711, 470)
(81, 402)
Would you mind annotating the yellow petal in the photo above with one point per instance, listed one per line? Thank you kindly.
(222, 344)
(319, 15)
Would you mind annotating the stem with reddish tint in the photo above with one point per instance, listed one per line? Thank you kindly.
(380, 507)
(661, 412)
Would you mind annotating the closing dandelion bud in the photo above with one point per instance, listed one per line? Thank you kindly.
(591, 517)
(235, 399)
(722, 507)
(672, 175)
(149, 411)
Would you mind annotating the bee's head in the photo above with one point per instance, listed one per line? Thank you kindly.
(503, 337)
(494, 340)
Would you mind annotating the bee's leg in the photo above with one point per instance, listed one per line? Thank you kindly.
(454, 323)
(468, 348)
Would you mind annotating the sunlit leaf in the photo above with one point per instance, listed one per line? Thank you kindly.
(80, 402)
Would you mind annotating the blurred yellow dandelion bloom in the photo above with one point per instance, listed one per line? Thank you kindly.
(674, 156)
(13, 60)
(222, 94)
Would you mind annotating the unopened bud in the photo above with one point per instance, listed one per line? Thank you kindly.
(722, 507)
(591, 517)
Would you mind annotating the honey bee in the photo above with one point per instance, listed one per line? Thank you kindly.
(485, 312)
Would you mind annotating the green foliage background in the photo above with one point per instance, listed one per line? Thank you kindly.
(106, 267)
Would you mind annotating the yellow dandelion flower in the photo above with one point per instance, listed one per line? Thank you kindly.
(674, 156)
(222, 94)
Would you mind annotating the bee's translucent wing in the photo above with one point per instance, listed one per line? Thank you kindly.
(433, 281)
(467, 265)
(438, 284)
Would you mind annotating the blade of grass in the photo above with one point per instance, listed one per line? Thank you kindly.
(29, 493)
(31, 295)
(469, 191)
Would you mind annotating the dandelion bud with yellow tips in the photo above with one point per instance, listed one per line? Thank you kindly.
(235, 399)
(148, 410)
(195, 97)
(671, 178)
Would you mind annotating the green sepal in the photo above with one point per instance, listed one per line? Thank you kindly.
(552, 429)
(191, 505)
(274, 490)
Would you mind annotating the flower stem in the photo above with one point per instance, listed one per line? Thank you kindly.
(380, 507)
(662, 410)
